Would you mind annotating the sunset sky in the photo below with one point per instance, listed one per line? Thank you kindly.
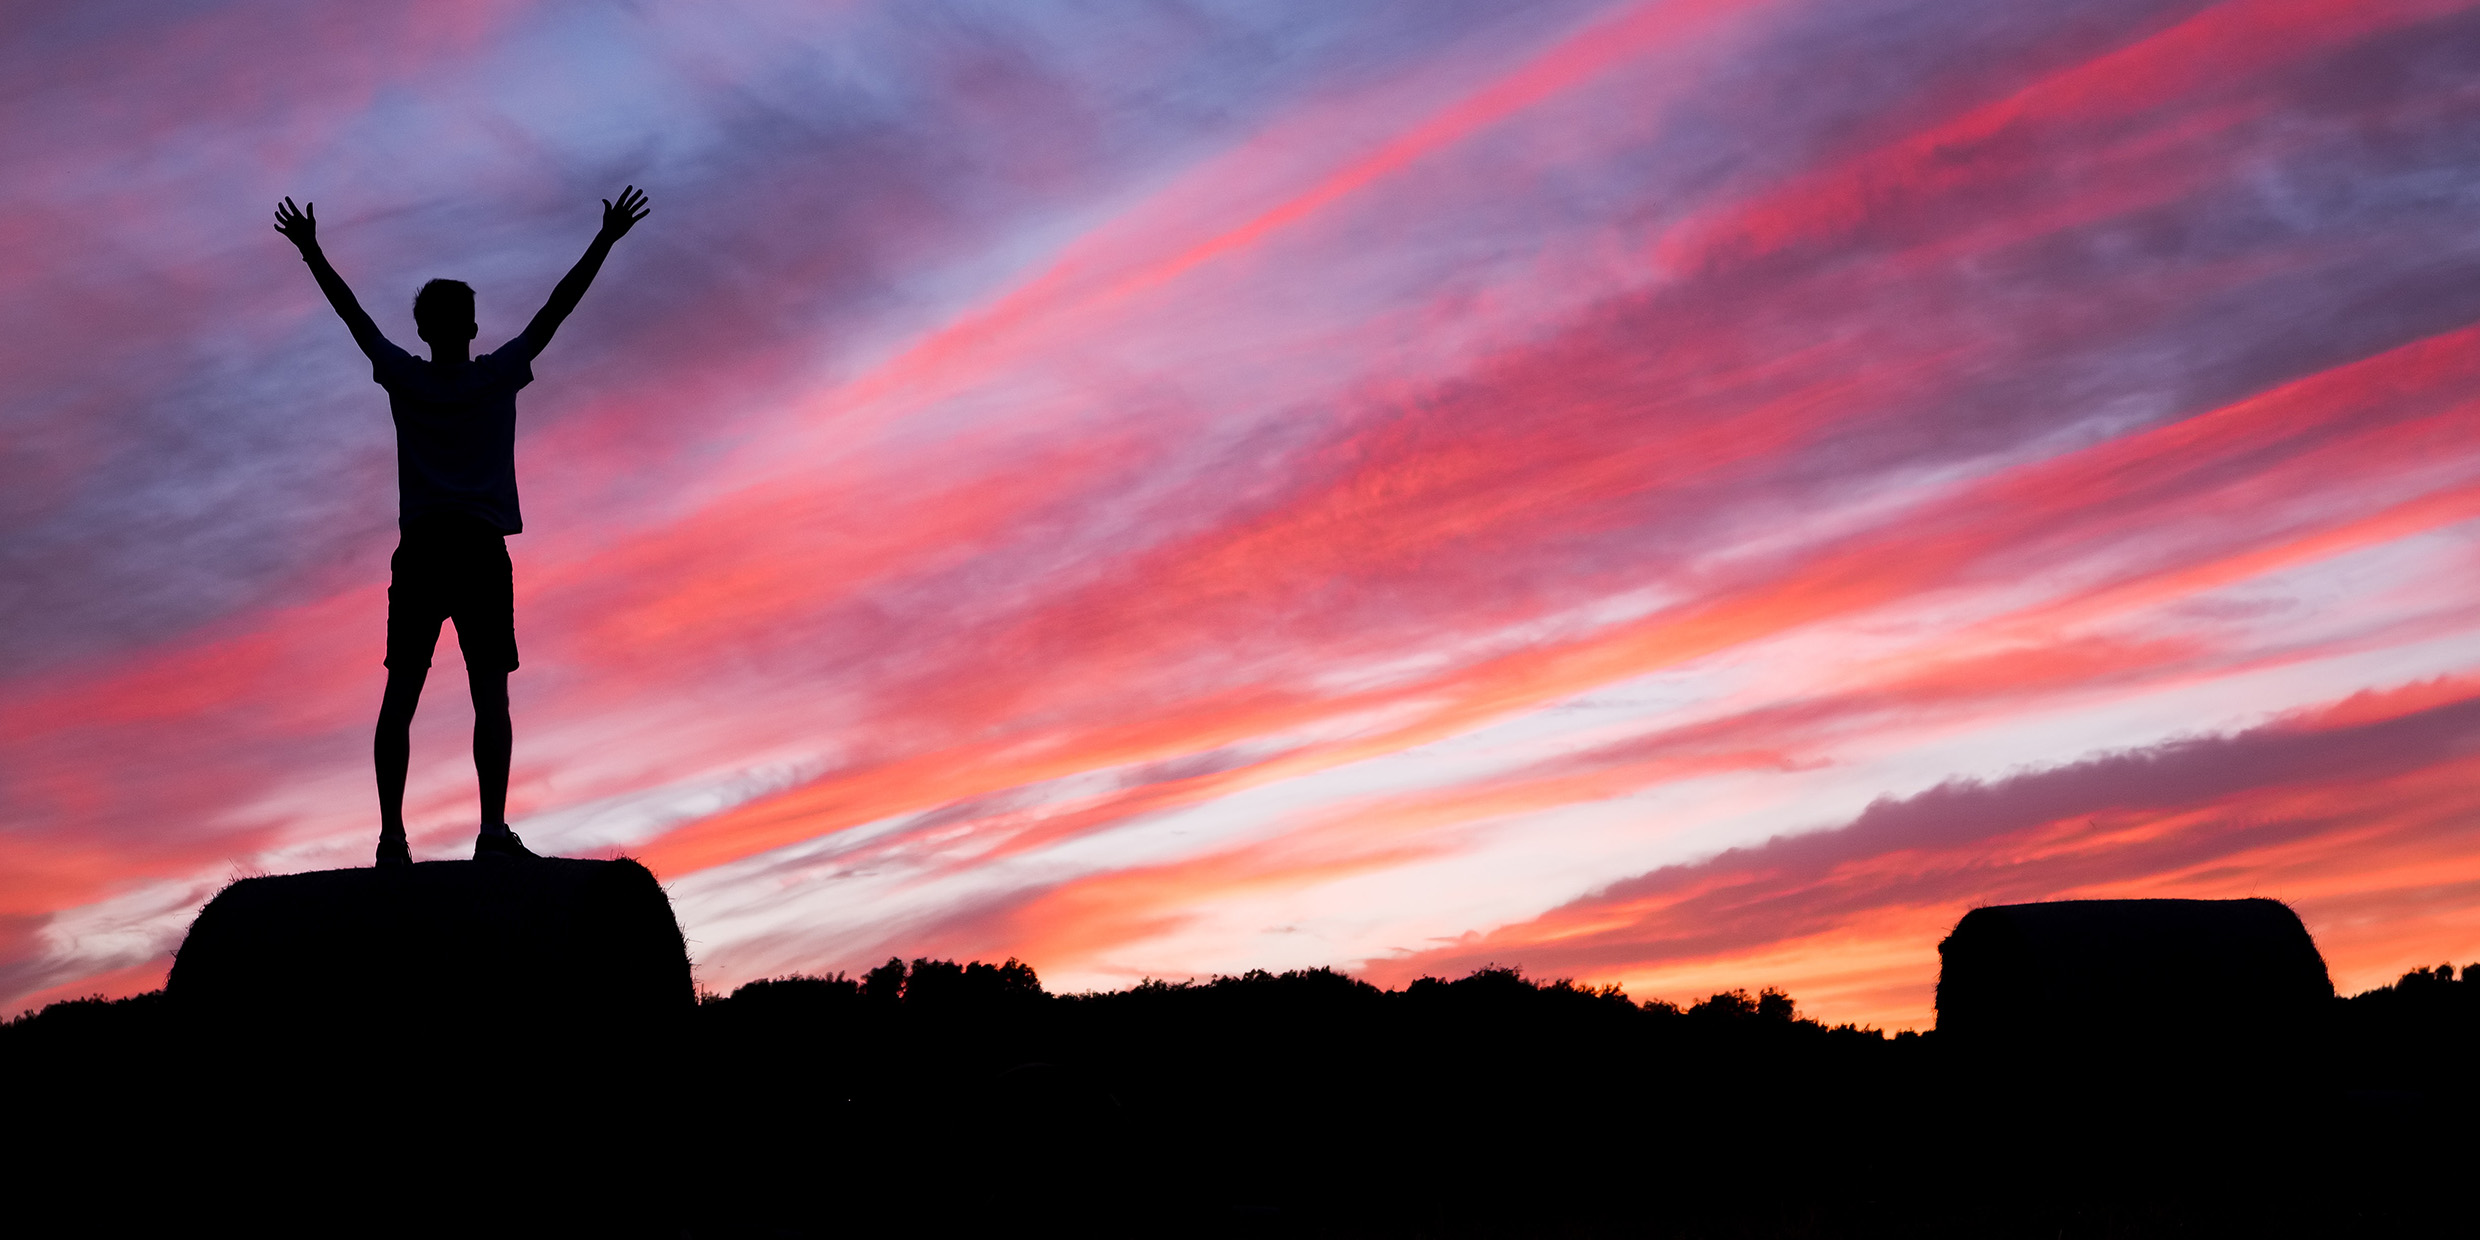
(1690, 493)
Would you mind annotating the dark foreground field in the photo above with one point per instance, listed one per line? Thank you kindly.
(943, 1098)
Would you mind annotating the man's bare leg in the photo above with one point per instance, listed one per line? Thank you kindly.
(491, 743)
(491, 731)
(391, 750)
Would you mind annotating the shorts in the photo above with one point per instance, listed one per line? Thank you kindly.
(452, 570)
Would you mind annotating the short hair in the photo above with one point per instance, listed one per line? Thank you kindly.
(448, 303)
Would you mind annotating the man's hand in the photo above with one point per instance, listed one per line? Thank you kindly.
(618, 218)
(623, 215)
(302, 227)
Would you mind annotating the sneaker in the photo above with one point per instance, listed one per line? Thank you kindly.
(392, 851)
(503, 844)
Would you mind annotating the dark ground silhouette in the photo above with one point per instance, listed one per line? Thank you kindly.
(444, 1048)
(936, 1097)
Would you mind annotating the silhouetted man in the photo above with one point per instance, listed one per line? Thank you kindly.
(456, 483)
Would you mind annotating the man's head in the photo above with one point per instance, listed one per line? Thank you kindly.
(443, 312)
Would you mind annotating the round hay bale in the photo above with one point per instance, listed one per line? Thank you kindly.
(443, 948)
(2127, 970)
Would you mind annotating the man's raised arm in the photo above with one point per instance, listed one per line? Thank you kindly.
(618, 218)
(302, 229)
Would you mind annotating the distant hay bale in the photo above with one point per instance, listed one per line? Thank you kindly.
(450, 948)
(2127, 971)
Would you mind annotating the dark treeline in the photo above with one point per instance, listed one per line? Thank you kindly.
(1312, 1102)
(934, 1096)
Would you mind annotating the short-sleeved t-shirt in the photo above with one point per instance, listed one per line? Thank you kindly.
(456, 434)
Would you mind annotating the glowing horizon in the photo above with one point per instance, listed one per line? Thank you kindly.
(1689, 493)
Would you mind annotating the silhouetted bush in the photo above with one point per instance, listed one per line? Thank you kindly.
(82, 1026)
